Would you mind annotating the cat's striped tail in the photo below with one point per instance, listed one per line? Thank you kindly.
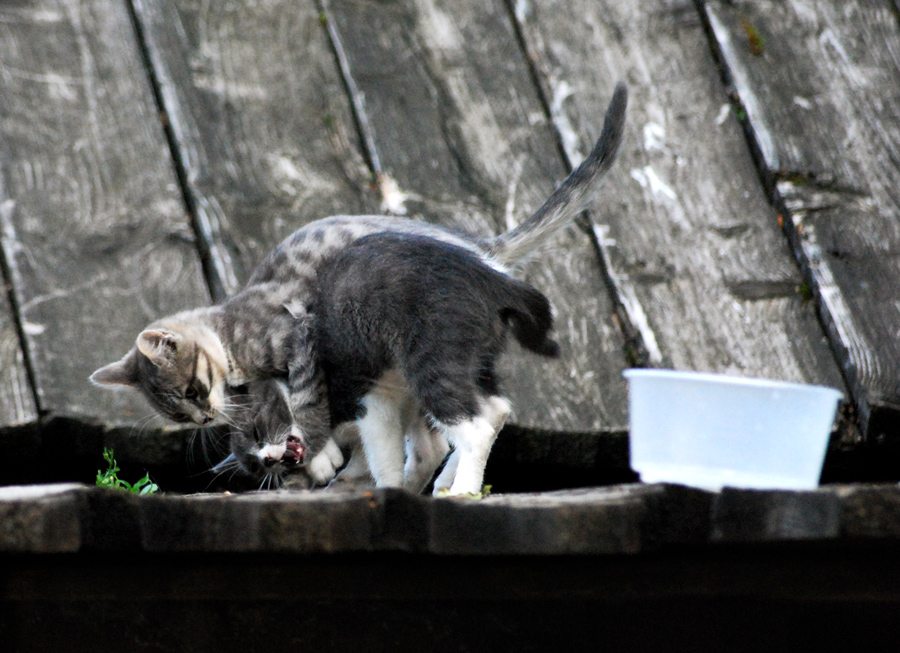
(575, 193)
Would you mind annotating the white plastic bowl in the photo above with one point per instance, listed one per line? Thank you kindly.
(711, 431)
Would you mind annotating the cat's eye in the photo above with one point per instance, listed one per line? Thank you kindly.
(196, 391)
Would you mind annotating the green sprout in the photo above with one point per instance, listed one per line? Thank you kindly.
(109, 478)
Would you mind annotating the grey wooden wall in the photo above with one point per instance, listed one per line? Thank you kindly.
(151, 151)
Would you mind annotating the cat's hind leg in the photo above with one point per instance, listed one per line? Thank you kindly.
(381, 430)
(426, 448)
(356, 473)
(445, 478)
(472, 440)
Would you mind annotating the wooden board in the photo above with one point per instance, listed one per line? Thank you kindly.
(457, 133)
(820, 86)
(95, 234)
(261, 122)
(17, 407)
(702, 272)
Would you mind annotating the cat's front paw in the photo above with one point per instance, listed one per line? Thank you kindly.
(325, 464)
(449, 493)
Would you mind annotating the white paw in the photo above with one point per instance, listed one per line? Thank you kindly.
(334, 453)
(322, 467)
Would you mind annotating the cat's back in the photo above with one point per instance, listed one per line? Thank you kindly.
(390, 286)
(409, 270)
(299, 256)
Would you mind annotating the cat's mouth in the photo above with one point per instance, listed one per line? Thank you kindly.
(295, 451)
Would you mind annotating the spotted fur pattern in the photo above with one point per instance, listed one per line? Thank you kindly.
(190, 365)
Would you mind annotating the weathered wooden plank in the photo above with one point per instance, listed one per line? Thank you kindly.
(17, 407)
(95, 235)
(261, 121)
(820, 85)
(458, 135)
(702, 271)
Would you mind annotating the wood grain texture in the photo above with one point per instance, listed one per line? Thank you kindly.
(17, 407)
(820, 85)
(94, 231)
(261, 121)
(703, 273)
(458, 135)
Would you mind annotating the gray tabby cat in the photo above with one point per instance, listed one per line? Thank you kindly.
(407, 331)
(189, 365)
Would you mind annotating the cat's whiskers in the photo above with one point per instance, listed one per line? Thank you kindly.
(246, 404)
(281, 435)
(244, 396)
(137, 429)
(151, 422)
(210, 440)
(223, 468)
(236, 419)
(190, 447)
(228, 417)
(217, 439)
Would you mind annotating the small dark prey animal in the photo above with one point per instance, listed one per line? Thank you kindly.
(264, 442)
(402, 319)
(189, 364)
(264, 448)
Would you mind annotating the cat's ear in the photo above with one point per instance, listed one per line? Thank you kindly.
(159, 346)
(119, 373)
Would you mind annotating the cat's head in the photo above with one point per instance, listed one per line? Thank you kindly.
(179, 367)
(262, 443)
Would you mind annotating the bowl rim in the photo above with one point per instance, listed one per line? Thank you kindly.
(725, 379)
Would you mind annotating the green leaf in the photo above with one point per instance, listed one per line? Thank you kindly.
(150, 489)
(109, 478)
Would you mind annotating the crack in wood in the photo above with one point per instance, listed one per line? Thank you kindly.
(217, 266)
(754, 290)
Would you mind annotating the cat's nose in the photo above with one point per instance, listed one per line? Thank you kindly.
(206, 420)
(271, 454)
